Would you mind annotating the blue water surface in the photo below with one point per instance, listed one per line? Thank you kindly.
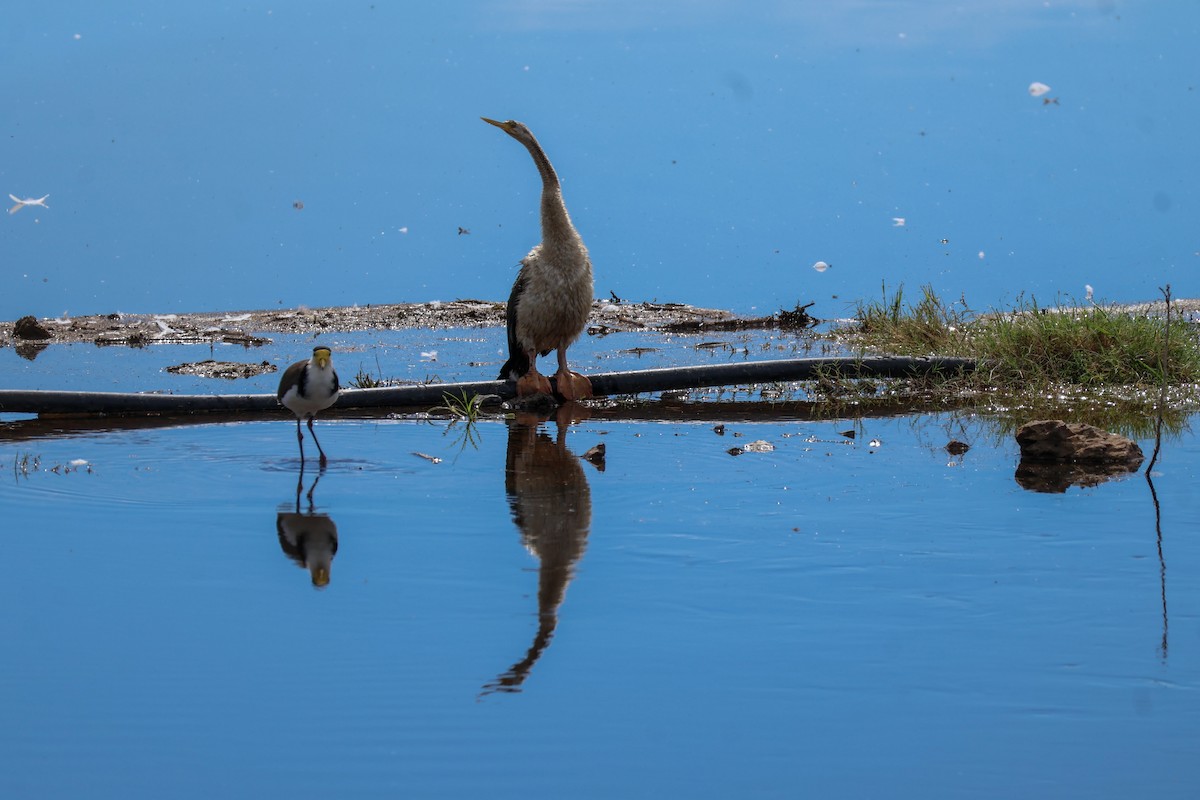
(833, 617)
(255, 155)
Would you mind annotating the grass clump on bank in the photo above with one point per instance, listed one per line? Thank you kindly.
(1032, 347)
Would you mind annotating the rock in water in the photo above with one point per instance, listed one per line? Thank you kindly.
(1057, 455)
(1056, 440)
(28, 327)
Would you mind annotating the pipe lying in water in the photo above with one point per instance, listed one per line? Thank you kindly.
(603, 384)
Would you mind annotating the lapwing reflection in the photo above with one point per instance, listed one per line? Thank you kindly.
(551, 504)
(308, 538)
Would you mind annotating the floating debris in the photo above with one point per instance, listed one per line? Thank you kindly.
(897, 222)
(1037, 89)
(757, 446)
(875, 443)
(821, 266)
(229, 370)
(28, 201)
(797, 317)
(23, 465)
(595, 456)
(427, 457)
(75, 465)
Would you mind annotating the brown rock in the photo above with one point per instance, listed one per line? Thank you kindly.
(1056, 440)
(29, 328)
(1056, 455)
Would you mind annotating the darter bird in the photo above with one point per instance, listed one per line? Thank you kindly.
(308, 387)
(550, 299)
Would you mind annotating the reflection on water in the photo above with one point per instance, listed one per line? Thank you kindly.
(1056, 477)
(308, 538)
(1162, 562)
(551, 504)
(30, 350)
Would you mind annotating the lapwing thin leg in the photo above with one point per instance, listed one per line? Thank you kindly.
(315, 439)
(299, 486)
(300, 439)
(311, 489)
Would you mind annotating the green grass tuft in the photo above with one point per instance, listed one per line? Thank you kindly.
(1035, 348)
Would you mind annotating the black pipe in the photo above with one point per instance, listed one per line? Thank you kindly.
(605, 383)
(793, 369)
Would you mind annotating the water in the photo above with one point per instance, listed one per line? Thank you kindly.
(830, 617)
(710, 153)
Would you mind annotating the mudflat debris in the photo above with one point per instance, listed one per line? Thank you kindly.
(229, 370)
(251, 328)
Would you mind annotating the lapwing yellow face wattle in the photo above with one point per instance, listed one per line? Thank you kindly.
(308, 387)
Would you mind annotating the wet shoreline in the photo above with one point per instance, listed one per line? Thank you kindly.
(247, 327)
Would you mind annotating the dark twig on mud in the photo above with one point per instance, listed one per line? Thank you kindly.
(603, 384)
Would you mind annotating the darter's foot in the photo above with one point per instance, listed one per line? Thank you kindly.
(573, 386)
(533, 382)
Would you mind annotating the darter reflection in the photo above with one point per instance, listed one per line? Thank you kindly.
(551, 505)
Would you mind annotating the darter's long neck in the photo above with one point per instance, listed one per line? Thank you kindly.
(556, 223)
